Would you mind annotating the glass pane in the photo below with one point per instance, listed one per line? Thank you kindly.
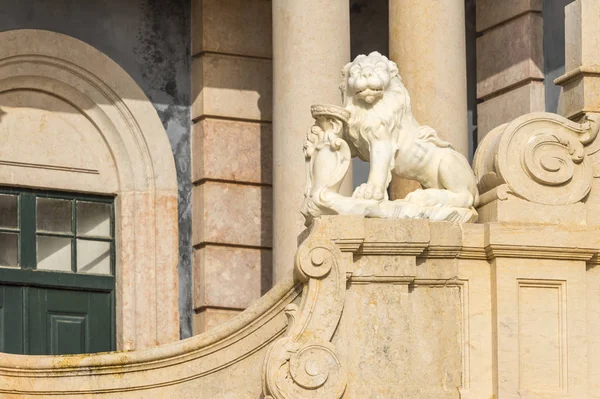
(93, 257)
(8, 249)
(93, 219)
(54, 253)
(8, 211)
(53, 215)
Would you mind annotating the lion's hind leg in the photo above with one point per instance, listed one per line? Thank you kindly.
(456, 182)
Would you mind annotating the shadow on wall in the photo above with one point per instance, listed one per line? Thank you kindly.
(266, 192)
(471, 36)
(264, 104)
(553, 13)
(369, 31)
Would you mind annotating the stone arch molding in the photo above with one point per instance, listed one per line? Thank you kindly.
(72, 119)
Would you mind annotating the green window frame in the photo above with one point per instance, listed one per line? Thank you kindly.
(27, 271)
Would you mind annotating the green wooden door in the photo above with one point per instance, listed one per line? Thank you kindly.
(65, 321)
(11, 319)
(56, 273)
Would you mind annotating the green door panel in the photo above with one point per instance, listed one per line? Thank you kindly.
(66, 322)
(11, 319)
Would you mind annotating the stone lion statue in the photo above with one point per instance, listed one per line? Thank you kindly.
(382, 130)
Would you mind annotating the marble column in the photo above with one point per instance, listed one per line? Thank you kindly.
(311, 43)
(427, 41)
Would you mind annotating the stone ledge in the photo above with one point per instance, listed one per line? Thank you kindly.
(210, 318)
(505, 107)
(503, 61)
(232, 150)
(230, 277)
(234, 214)
(490, 13)
(230, 86)
(222, 26)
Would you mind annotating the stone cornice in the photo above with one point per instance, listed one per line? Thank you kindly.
(441, 252)
(483, 252)
(539, 252)
(349, 244)
(586, 70)
(392, 248)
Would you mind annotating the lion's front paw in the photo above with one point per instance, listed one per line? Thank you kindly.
(368, 191)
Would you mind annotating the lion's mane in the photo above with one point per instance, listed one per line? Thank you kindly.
(385, 118)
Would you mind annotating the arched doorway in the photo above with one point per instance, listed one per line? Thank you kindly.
(75, 127)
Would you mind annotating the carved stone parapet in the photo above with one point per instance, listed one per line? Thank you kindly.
(541, 158)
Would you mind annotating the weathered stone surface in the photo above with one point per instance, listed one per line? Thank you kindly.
(241, 27)
(510, 54)
(492, 12)
(507, 106)
(232, 150)
(233, 214)
(232, 87)
(230, 277)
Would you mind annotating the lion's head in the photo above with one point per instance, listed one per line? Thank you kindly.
(367, 77)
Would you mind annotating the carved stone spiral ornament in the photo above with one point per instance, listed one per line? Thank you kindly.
(313, 364)
(541, 157)
(311, 370)
(550, 159)
(314, 262)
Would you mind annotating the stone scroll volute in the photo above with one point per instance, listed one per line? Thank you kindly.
(540, 157)
(304, 363)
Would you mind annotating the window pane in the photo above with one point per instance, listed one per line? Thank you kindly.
(54, 215)
(93, 219)
(54, 253)
(8, 211)
(8, 249)
(93, 257)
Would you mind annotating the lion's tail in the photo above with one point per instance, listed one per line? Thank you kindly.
(427, 133)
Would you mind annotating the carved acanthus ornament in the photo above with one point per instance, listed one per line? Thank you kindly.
(540, 157)
(304, 363)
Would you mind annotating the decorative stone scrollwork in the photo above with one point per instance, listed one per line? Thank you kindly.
(327, 161)
(313, 364)
(304, 363)
(540, 157)
(310, 370)
(314, 263)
